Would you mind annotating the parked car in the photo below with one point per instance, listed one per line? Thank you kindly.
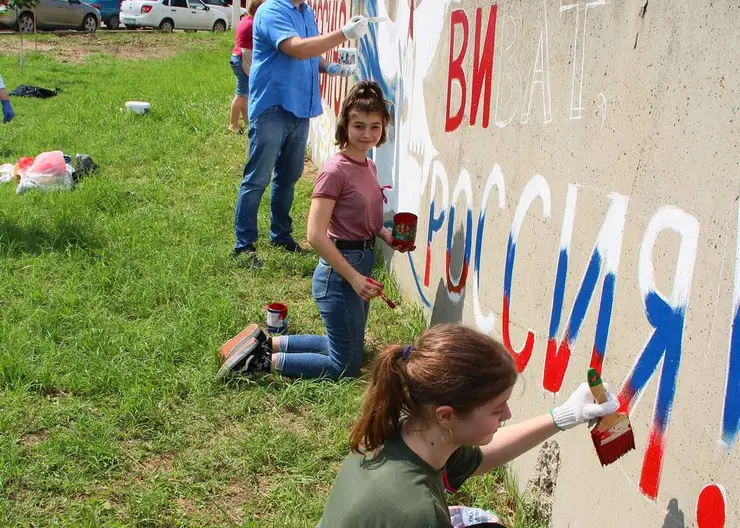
(52, 14)
(110, 11)
(172, 14)
(225, 7)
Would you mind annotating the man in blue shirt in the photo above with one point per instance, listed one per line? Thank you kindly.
(283, 96)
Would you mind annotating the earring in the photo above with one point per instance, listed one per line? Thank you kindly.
(444, 440)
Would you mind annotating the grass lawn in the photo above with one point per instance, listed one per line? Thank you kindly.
(115, 297)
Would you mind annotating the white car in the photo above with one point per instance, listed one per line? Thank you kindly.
(172, 14)
(225, 7)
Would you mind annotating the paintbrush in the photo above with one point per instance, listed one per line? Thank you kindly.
(381, 294)
(612, 435)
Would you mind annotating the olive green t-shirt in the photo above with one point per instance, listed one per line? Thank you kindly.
(396, 489)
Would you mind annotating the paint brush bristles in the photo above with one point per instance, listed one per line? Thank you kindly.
(612, 435)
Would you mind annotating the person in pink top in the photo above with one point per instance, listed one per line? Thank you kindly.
(345, 218)
(240, 62)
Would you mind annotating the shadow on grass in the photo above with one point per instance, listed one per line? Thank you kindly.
(16, 239)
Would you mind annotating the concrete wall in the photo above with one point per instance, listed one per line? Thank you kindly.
(574, 165)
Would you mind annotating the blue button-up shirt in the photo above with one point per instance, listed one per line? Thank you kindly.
(277, 78)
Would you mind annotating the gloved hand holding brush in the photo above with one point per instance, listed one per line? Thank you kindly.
(580, 407)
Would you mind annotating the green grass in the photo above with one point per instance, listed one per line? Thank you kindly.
(115, 298)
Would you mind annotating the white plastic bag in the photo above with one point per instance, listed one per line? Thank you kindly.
(48, 172)
(6, 173)
(464, 516)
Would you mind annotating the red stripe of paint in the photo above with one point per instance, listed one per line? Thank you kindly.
(652, 465)
(451, 286)
(597, 360)
(556, 363)
(625, 396)
(520, 358)
(428, 265)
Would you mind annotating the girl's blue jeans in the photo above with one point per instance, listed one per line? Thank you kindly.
(344, 313)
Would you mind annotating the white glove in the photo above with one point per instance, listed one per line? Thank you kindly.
(581, 407)
(356, 28)
(341, 70)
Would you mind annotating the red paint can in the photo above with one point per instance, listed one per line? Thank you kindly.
(277, 318)
(404, 230)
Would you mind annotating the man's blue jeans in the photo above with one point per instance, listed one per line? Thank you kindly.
(277, 140)
(340, 352)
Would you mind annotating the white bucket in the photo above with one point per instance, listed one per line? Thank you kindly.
(347, 56)
(138, 107)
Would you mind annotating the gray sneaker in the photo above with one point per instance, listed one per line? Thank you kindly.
(247, 257)
(250, 355)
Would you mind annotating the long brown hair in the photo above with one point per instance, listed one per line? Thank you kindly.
(365, 96)
(253, 5)
(449, 364)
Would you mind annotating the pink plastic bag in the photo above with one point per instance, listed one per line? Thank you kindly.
(49, 171)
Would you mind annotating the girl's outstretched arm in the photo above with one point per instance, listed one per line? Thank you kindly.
(513, 440)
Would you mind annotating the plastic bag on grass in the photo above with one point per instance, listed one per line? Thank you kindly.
(49, 171)
(6, 173)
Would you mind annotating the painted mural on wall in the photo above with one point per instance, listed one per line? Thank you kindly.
(611, 264)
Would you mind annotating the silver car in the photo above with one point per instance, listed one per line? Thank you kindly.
(51, 14)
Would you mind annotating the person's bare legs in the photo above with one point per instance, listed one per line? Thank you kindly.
(238, 108)
(244, 114)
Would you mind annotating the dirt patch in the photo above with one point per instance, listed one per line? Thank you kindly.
(31, 439)
(75, 48)
(237, 495)
(186, 506)
(161, 463)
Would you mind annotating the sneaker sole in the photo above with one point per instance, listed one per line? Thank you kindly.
(236, 357)
(247, 261)
(234, 344)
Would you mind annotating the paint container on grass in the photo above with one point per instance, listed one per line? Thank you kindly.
(138, 107)
(404, 230)
(277, 318)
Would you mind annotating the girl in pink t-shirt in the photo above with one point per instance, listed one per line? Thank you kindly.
(345, 219)
(240, 62)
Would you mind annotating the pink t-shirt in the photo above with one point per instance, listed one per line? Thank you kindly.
(243, 35)
(358, 211)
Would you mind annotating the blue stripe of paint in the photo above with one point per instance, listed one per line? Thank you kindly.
(665, 341)
(468, 236)
(369, 58)
(583, 299)
(479, 242)
(424, 300)
(559, 293)
(731, 416)
(435, 223)
(605, 314)
(450, 228)
(509, 270)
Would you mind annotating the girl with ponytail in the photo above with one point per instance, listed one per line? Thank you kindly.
(430, 420)
(345, 219)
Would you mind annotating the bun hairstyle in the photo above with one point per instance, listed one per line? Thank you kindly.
(365, 96)
(448, 364)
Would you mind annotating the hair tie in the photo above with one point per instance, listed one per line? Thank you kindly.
(407, 352)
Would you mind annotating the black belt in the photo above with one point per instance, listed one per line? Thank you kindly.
(353, 245)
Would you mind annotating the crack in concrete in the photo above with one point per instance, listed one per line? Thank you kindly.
(642, 16)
